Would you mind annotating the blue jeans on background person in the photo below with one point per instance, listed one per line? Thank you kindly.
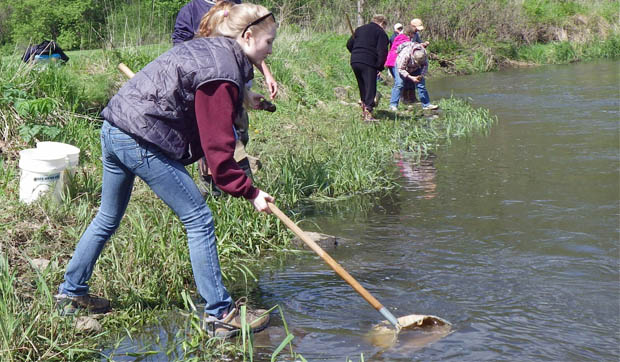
(408, 84)
(124, 158)
(391, 70)
(397, 88)
(399, 84)
(422, 92)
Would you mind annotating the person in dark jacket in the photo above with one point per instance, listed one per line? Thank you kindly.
(418, 27)
(188, 19)
(369, 48)
(157, 123)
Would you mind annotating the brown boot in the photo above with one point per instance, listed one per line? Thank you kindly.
(367, 115)
(68, 305)
(230, 324)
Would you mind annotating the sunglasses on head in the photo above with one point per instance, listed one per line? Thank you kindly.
(258, 21)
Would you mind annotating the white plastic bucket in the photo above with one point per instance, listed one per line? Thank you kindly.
(40, 170)
(72, 152)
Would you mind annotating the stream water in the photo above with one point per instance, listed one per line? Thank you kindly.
(511, 235)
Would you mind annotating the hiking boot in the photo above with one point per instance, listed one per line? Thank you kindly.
(368, 118)
(367, 115)
(430, 107)
(230, 324)
(91, 304)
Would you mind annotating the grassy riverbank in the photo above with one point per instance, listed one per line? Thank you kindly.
(313, 148)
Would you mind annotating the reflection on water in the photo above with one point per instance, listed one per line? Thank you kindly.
(513, 236)
(418, 173)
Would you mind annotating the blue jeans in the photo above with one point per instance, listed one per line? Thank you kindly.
(397, 88)
(124, 158)
(399, 84)
(408, 84)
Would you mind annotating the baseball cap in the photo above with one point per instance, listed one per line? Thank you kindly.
(418, 24)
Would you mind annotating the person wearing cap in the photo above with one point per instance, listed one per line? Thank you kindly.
(368, 47)
(408, 92)
(412, 63)
(398, 29)
(418, 26)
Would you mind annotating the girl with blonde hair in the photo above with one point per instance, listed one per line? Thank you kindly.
(207, 28)
(178, 108)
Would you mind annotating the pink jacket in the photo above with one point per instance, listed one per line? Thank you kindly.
(392, 54)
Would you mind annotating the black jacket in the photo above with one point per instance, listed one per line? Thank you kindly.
(369, 45)
(46, 47)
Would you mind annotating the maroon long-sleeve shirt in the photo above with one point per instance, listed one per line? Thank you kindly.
(215, 113)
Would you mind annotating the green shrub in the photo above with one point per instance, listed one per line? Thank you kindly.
(139, 22)
(610, 11)
(535, 53)
(563, 52)
(551, 11)
(597, 49)
(60, 83)
(67, 21)
(445, 46)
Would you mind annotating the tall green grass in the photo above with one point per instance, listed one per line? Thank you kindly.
(30, 329)
(567, 52)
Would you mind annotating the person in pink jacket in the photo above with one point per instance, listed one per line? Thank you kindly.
(390, 63)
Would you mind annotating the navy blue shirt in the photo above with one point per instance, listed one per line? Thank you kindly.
(188, 19)
(394, 35)
(416, 38)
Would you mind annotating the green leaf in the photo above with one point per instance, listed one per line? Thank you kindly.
(277, 351)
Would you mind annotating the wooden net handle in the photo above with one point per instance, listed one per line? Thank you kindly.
(125, 69)
(328, 259)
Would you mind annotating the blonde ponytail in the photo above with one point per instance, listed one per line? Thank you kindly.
(214, 16)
